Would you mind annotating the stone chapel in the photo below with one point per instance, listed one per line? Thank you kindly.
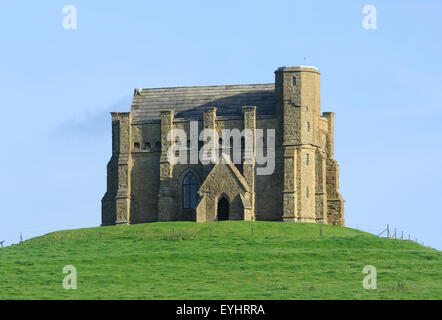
(143, 186)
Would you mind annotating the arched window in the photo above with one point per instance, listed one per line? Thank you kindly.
(190, 196)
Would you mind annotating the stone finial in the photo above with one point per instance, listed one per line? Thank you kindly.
(211, 109)
(248, 108)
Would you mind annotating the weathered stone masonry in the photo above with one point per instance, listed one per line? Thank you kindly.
(142, 186)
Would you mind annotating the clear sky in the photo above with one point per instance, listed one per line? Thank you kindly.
(58, 86)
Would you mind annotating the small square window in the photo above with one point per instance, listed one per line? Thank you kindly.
(307, 160)
(147, 146)
(308, 126)
(137, 145)
(306, 192)
(294, 81)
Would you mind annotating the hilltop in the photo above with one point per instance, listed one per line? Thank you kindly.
(220, 260)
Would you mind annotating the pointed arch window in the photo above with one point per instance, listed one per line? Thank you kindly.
(190, 196)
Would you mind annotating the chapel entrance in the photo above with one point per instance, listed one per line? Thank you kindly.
(223, 209)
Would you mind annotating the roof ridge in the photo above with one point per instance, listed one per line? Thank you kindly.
(213, 86)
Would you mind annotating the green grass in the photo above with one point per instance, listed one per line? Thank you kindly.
(222, 260)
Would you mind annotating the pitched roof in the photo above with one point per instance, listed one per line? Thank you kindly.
(191, 102)
(234, 171)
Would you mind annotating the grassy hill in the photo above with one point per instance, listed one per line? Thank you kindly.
(222, 260)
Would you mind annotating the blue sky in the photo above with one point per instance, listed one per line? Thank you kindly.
(58, 86)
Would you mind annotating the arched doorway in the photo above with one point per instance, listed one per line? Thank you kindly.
(223, 209)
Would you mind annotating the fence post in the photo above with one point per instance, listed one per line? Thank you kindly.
(21, 238)
(402, 235)
(388, 231)
(395, 233)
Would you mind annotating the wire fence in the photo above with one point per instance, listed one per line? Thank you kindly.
(386, 231)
